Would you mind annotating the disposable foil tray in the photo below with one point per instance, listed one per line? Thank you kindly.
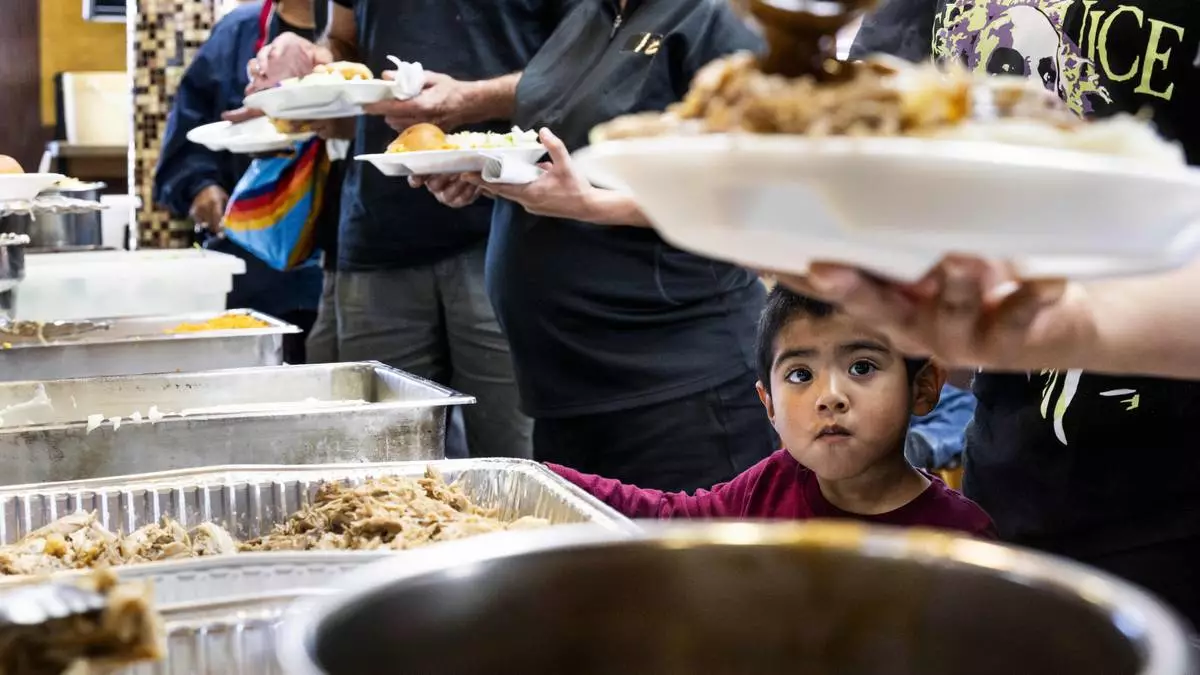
(229, 637)
(249, 501)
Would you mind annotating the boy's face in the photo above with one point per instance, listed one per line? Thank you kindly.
(840, 396)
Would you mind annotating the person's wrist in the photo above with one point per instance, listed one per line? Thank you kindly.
(1092, 344)
(474, 102)
(595, 206)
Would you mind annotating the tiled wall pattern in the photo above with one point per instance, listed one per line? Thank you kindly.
(165, 35)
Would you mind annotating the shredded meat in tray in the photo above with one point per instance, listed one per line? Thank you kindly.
(387, 512)
(127, 630)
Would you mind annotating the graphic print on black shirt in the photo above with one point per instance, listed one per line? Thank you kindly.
(1100, 56)
(1058, 457)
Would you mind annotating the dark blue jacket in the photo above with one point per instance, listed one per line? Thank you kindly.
(213, 83)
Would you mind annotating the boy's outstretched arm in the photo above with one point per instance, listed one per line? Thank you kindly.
(726, 500)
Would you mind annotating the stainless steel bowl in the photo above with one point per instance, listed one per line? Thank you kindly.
(817, 599)
(63, 230)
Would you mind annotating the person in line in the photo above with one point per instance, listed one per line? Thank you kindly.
(265, 73)
(1098, 467)
(841, 397)
(634, 358)
(193, 181)
(410, 282)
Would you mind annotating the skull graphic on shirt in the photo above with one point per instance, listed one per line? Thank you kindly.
(1019, 37)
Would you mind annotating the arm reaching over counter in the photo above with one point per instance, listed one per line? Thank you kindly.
(970, 312)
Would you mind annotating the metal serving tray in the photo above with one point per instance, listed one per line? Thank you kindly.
(249, 501)
(131, 346)
(231, 637)
(279, 415)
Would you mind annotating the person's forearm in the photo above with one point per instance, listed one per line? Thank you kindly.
(340, 50)
(494, 99)
(609, 207)
(1147, 326)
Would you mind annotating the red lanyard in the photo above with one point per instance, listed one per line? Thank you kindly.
(264, 24)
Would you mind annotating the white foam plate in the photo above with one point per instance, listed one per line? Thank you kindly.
(447, 161)
(896, 206)
(25, 186)
(325, 99)
(252, 136)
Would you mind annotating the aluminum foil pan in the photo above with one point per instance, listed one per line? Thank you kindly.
(249, 501)
(234, 637)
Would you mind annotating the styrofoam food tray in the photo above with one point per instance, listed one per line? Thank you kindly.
(85, 285)
(25, 186)
(328, 99)
(430, 162)
(897, 205)
(256, 135)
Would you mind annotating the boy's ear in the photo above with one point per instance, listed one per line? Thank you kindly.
(765, 397)
(927, 388)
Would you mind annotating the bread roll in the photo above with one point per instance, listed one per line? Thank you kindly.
(420, 137)
(347, 69)
(292, 126)
(9, 165)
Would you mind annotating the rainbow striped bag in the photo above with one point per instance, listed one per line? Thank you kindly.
(274, 208)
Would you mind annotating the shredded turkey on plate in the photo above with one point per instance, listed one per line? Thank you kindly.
(127, 630)
(887, 97)
(387, 512)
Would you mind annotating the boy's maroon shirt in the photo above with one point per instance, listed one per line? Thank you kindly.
(780, 488)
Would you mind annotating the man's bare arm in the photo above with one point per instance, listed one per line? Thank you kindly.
(494, 99)
(341, 35)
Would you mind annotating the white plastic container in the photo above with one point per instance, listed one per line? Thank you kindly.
(97, 107)
(115, 220)
(75, 286)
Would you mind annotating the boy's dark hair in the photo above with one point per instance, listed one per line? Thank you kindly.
(783, 307)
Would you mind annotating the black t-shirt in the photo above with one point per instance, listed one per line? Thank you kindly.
(608, 318)
(385, 223)
(1073, 462)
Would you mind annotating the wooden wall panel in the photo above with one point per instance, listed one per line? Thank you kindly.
(21, 133)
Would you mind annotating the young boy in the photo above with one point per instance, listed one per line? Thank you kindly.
(840, 397)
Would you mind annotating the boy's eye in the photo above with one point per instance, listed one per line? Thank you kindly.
(799, 376)
(862, 368)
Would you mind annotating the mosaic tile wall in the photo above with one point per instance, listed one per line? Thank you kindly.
(165, 36)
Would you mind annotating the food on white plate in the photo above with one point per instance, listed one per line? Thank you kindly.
(290, 127)
(10, 165)
(382, 513)
(336, 72)
(419, 138)
(347, 70)
(424, 137)
(126, 630)
(891, 98)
